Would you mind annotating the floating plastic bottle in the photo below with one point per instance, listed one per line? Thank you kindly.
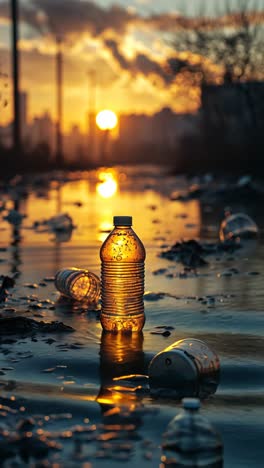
(61, 222)
(78, 284)
(190, 440)
(238, 226)
(122, 280)
(187, 368)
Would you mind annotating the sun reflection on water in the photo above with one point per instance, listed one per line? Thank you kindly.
(107, 187)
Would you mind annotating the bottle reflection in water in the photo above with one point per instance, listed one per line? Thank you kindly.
(191, 441)
(122, 256)
(187, 368)
(120, 354)
(78, 284)
(238, 226)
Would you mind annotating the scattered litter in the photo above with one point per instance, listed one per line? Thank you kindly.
(188, 367)
(151, 296)
(160, 271)
(161, 332)
(58, 224)
(238, 226)
(191, 253)
(49, 279)
(31, 285)
(7, 283)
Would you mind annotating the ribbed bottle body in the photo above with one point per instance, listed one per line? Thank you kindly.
(122, 281)
(78, 284)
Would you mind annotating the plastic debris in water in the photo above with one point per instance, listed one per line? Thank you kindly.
(244, 180)
(152, 296)
(78, 284)
(190, 440)
(60, 222)
(187, 368)
(237, 226)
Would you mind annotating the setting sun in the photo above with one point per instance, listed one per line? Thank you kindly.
(106, 120)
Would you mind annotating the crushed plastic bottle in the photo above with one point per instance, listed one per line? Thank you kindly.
(60, 222)
(191, 441)
(187, 368)
(237, 226)
(78, 284)
(122, 281)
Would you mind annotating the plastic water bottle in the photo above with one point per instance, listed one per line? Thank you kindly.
(78, 284)
(190, 440)
(187, 368)
(122, 278)
(238, 226)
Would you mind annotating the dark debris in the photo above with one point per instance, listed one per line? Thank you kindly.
(25, 325)
(191, 253)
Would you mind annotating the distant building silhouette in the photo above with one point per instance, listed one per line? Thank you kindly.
(74, 146)
(42, 130)
(164, 127)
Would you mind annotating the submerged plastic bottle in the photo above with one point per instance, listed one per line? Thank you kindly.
(191, 441)
(238, 226)
(122, 278)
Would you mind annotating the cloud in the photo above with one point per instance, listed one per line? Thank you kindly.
(71, 18)
(75, 17)
(112, 45)
(144, 65)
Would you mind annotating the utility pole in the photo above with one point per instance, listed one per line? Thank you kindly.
(59, 77)
(91, 115)
(15, 60)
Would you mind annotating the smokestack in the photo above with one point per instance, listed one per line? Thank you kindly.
(15, 59)
(91, 115)
(59, 145)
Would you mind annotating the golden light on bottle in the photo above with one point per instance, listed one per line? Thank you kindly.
(122, 280)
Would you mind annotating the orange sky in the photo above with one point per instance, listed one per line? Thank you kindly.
(125, 50)
(114, 89)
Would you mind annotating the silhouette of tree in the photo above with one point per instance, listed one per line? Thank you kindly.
(232, 45)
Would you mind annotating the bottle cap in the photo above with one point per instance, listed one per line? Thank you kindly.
(123, 220)
(191, 403)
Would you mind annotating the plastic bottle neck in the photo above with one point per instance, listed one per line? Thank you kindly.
(122, 226)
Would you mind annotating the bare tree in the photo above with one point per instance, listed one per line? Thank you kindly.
(231, 45)
(225, 61)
